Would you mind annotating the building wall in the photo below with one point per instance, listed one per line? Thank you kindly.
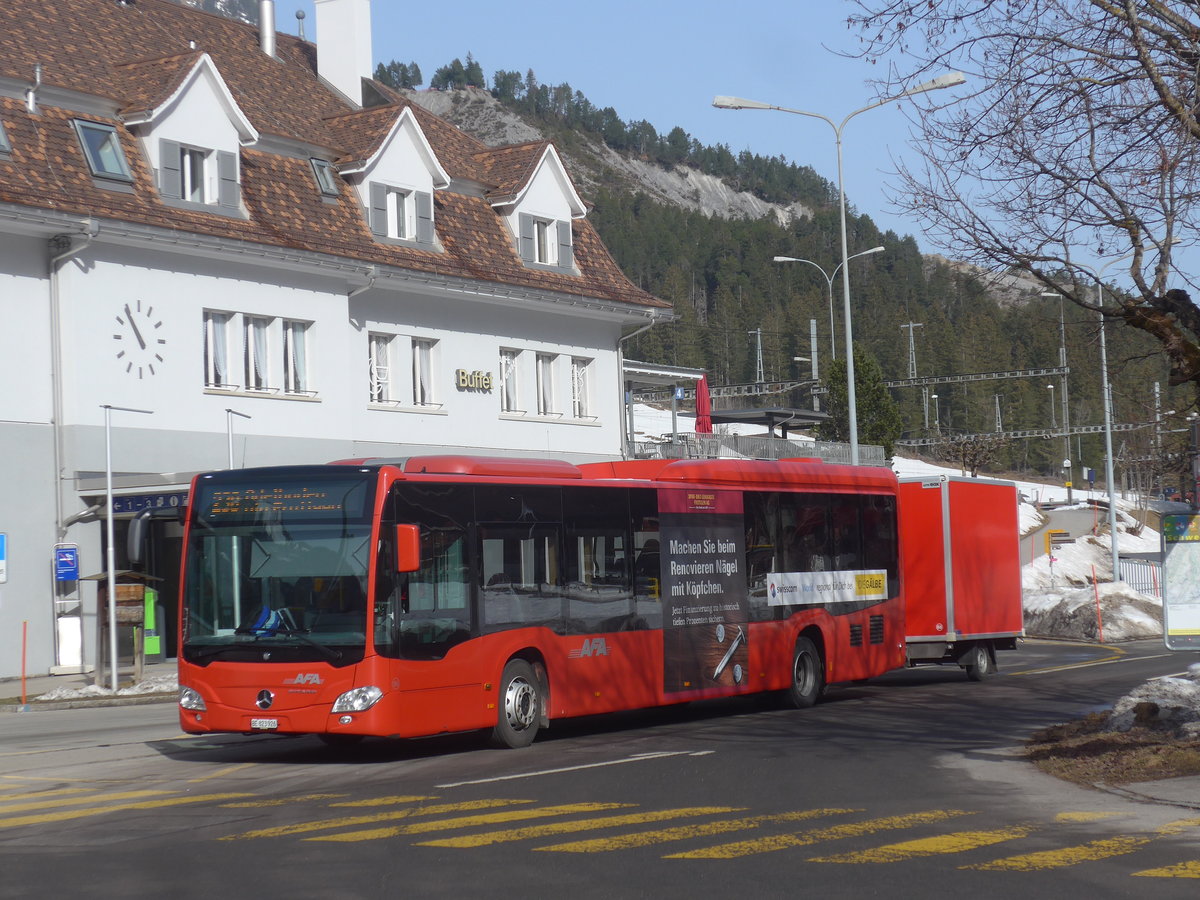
(188, 430)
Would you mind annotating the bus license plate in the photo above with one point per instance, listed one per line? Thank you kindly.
(264, 724)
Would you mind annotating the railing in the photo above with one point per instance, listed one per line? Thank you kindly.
(1144, 576)
(742, 446)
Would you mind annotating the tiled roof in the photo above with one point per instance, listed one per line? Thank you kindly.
(134, 55)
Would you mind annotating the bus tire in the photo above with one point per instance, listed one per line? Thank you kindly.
(979, 662)
(519, 711)
(808, 674)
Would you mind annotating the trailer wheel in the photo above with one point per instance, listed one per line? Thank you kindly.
(979, 662)
(520, 707)
(808, 674)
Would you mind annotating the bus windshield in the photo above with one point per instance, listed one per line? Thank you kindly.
(277, 568)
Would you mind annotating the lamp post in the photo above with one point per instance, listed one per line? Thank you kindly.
(950, 79)
(829, 277)
(1098, 275)
(1053, 417)
(229, 414)
(937, 415)
(110, 555)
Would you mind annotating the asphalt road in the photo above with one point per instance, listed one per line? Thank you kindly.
(906, 786)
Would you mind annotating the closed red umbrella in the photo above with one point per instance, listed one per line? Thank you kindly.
(703, 407)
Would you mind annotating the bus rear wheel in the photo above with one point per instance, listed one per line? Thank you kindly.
(520, 707)
(808, 674)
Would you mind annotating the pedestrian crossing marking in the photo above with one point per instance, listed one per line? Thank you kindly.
(64, 815)
(958, 842)
(1084, 816)
(1181, 870)
(74, 801)
(381, 801)
(348, 821)
(772, 843)
(281, 801)
(37, 795)
(535, 831)
(685, 832)
(468, 821)
(1092, 851)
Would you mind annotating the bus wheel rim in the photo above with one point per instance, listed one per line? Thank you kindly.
(520, 704)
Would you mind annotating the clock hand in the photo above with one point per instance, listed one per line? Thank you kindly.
(137, 334)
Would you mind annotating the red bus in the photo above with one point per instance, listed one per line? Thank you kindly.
(448, 593)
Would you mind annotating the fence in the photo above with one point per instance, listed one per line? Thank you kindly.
(743, 446)
(1144, 576)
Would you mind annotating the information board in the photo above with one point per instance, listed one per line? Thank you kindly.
(1181, 582)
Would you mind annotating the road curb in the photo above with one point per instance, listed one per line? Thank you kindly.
(88, 703)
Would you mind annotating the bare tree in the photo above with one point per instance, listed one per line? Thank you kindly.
(1076, 139)
(971, 452)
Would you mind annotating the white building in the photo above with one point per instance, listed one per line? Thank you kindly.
(278, 261)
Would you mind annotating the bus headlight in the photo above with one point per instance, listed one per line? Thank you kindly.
(190, 699)
(357, 700)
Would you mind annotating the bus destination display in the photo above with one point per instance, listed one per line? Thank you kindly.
(288, 500)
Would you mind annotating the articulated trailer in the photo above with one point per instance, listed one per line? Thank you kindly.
(961, 559)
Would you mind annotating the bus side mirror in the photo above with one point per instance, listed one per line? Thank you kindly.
(408, 548)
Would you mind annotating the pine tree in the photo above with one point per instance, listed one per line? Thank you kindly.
(878, 416)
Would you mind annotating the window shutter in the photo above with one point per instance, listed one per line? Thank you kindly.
(229, 191)
(378, 212)
(170, 174)
(424, 217)
(566, 258)
(525, 222)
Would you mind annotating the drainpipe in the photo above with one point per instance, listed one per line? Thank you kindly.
(627, 419)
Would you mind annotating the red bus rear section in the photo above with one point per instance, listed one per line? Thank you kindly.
(543, 590)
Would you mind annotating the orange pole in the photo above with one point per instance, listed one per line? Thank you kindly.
(1154, 579)
(1099, 620)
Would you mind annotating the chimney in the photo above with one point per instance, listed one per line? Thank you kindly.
(266, 26)
(344, 45)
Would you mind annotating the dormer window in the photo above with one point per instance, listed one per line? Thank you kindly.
(102, 149)
(326, 180)
(198, 175)
(546, 242)
(400, 214)
(5, 145)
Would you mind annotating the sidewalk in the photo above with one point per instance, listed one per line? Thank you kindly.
(159, 684)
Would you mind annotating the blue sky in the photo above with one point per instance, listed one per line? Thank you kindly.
(664, 60)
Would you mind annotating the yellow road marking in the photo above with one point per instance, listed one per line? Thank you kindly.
(382, 801)
(959, 842)
(1084, 816)
(1066, 856)
(74, 801)
(683, 832)
(804, 838)
(520, 834)
(65, 814)
(345, 821)
(1105, 848)
(34, 795)
(284, 801)
(1182, 870)
(375, 834)
(219, 772)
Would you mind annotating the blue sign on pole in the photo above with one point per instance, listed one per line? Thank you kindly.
(3, 557)
(66, 562)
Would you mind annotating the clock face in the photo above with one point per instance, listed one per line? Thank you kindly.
(138, 338)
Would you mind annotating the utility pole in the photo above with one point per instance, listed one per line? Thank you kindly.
(759, 377)
(912, 367)
(999, 422)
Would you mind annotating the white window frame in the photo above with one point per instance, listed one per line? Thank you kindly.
(581, 388)
(379, 367)
(545, 241)
(545, 366)
(256, 354)
(5, 143)
(401, 214)
(324, 175)
(295, 357)
(423, 387)
(510, 382)
(195, 174)
(216, 350)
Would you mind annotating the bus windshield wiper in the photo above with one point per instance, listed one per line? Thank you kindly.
(302, 633)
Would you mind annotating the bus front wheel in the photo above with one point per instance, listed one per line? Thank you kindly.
(808, 674)
(520, 706)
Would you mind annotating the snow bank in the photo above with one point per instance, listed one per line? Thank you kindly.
(1173, 703)
(165, 683)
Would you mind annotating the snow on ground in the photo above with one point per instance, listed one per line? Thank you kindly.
(164, 683)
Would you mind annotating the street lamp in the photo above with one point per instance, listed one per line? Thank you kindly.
(829, 282)
(229, 414)
(1053, 419)
(937, 415)
(110, 555)
(950, 79)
